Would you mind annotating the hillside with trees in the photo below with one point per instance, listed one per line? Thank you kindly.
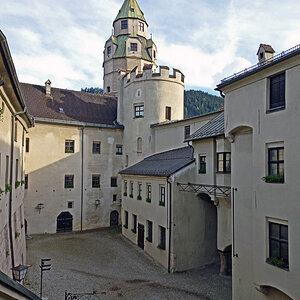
(195, 102)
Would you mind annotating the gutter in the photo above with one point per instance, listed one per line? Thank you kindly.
(13, 120)
(82, 162)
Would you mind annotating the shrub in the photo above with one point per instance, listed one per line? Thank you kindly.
(273, 178)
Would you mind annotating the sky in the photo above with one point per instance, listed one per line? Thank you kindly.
(63, 40)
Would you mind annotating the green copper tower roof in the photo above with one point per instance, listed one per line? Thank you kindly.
(130, 9)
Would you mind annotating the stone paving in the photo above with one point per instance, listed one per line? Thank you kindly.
(105, 262)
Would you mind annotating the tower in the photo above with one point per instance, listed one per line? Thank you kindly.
(128, 46)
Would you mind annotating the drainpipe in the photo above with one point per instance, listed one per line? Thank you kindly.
(169, 184)
(81, 196)
(13, 120)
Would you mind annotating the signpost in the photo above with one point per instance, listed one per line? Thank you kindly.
(44, 267)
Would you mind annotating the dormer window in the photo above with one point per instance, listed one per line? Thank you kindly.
(133, 46)
(141, 26)
(124, 24)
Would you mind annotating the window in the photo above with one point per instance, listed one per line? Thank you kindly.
(133, 46)
(139, 111)
(224, 162)
(126, 219)
(96, 147)
(141, 26)
(26, 181)
(148, 193)
(124, 24)
(187, 131)
(139, 197)
(134, 219)
(70, 204)
(6, 169)
(108, 89)
(277, 91)
(162, 195)
(114, 198)
(278, 245)
(95, 181)
(119, 149)
(131, 190)
(113, 182)
(154, 53)
(27, 145)
(202, 164)
(17, 170)
(125, 188)
(276, 164)
(108, 50)
(168, 113)
(16, 131)
(139, 145)
(162, 239)
(149, 231)
(69, 181)
(69, 146)
(126, 161)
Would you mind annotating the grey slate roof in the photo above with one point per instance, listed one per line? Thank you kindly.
(212, 128)
(162, 164)
(16, 287)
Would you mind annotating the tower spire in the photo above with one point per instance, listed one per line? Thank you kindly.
(130, 10)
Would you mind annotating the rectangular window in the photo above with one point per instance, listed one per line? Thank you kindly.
(126, 219)
(168, 113)
(134, 221)
(124, 24)
(149, 191)
(95, 181)
(275, 165)
(26, 181)
(16, 131)
(114, 198)
(149, 231)
(69, 181)
(133, 47)
(162, 201)
(125, 188)
(162, 244)
(96, 147)
(224, 162)
(6, 169)
(119, 149)
(187, 131)
(70, 204)
(141, 26)
(202, 164)
(278, 245)
(277, 91)
(139, 111)
(108, 50)
(113, 182)
(27, 145)
(131, 190)
(69, 146)
(139, 196)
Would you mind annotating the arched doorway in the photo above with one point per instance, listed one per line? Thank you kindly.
(64, 222)
(273, 293)
(114, 218)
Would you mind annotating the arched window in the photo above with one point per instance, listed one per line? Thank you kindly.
(139, 145)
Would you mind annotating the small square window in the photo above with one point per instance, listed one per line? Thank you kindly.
(96, 147)
(119, 149)
(95, 181)
(133, 47)
(139, 111)
(124, 24)
(69, 146)
(70, 204)
(113, 182)
(69, 181)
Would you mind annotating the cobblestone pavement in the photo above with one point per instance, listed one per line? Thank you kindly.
(105, 262)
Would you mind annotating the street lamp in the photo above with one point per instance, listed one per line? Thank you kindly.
(19, 272)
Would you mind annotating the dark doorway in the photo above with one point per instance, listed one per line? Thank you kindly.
(114, 218)
(64, 222)
(25, 222)
(141, 235)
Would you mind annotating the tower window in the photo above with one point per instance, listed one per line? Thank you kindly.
(141, 26)
(154, 53)
(168, 113)
(108, 50)
(124, 24)
(139, 111)
(133, 46)
(108, 89)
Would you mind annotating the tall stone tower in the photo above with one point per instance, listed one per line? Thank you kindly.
(128, 46)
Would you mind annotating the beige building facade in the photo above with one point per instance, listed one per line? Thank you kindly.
(261, 109)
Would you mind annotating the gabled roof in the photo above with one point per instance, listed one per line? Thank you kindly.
(69, 105)
(267, 48)
(162, 164)
(130, 9)
(212, 128)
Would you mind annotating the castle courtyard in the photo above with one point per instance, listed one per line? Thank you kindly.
(107, 263)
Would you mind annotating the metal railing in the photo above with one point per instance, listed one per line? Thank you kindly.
(263, 64)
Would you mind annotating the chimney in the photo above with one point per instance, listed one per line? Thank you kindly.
(265, 53)
(48, 87)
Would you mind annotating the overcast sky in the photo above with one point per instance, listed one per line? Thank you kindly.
(207, 40)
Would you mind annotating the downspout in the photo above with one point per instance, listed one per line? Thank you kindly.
(13, 120)
(81, 197)
(214, 164)
(170, 223)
